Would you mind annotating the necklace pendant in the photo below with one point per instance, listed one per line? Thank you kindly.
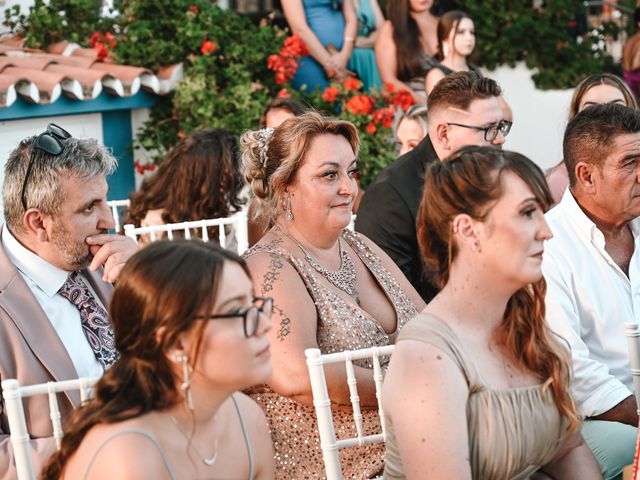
(210, 461)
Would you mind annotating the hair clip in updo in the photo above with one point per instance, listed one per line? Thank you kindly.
(264, 136)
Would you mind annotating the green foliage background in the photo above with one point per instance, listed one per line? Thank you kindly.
(229, 87)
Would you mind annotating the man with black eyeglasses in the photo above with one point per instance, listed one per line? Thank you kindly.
(57, 261)
(463, 109)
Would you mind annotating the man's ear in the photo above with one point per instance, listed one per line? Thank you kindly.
(36, 224)
(442, 136)
(586, 177)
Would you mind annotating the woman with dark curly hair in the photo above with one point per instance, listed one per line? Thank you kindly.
(199, 179)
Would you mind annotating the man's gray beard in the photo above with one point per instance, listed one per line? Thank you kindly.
(77, 254)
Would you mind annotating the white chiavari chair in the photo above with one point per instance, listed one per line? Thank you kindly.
(328, 442)
(13, 393)
(632, 332)
(115, 206)
(238, 221)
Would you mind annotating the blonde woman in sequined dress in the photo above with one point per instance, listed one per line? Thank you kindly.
(333, 289)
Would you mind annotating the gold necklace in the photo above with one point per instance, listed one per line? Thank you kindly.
(207, 461)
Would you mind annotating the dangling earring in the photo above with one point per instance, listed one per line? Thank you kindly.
(288, 213)
(185, 386)
(445, 50)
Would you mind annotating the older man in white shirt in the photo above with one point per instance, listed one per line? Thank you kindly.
(57, 261)
(592, 270)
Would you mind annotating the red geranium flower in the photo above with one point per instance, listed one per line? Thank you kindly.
(193, 8)
(403, 99)
(352, 84)
(140, 168)
(101, 42)
(208, 47)
(371, 129)
(285, 63)
(284, 93)
(383, 116)
(294, 47)
(330, 94)
(360, 104)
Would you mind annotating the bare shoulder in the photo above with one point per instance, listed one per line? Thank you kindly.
(271, 269)
(251, 411)
(120, 451)
(421, 369)
(386, 30)
(256, 422)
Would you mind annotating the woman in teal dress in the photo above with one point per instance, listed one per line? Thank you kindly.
(363, 58)
(329, 29)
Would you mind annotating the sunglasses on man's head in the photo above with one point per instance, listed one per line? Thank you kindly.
(49, 141)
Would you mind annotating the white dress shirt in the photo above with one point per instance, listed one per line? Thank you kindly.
(589, 299)
(45, 280)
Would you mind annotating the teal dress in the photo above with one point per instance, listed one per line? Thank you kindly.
(326, 20)
(363, 60)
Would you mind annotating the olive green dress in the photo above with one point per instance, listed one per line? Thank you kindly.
(512, 432)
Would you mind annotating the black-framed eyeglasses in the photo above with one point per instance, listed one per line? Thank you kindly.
(250, 316)
(490, 133)
(49, 141)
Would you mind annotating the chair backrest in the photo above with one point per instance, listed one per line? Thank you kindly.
(13, 393)
(322, 403)
(238, 221)
(632, 332)
(116, 205)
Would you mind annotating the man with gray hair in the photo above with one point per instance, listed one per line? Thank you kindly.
(592, 269)
(57, 261)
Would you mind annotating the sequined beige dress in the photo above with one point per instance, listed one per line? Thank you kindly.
(341, 326)
(512, 431)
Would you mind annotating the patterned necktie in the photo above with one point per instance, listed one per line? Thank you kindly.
(95, 323)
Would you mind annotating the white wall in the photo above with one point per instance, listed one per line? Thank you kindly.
(539, 117)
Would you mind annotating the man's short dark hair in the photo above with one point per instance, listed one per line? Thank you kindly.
(591, 133)
(459, 89)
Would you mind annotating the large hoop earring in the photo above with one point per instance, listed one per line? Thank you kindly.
(288, 214)
(185, 386)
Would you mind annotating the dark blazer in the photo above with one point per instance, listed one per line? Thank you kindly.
(388, 211)
(32, 352)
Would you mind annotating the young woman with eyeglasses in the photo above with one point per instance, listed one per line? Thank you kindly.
(190, 334)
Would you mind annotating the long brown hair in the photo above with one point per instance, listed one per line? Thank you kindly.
(469, 182)
(199, 179)
(160, 291)
(407, 39)
(601, 79)
(449, 21)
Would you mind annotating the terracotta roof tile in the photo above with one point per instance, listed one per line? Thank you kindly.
(7, 90)
(41, 77)
(90, 80)
(49, 84)
(23, 86)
